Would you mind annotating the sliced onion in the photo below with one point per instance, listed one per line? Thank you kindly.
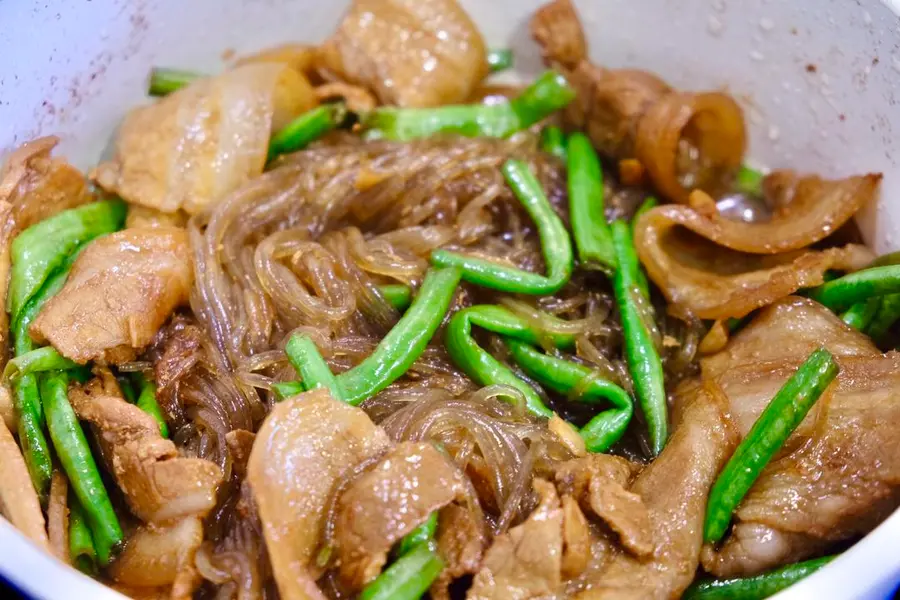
(155, 554)
(808, 209)
(710, 122)
(716, 282)
(18, 499)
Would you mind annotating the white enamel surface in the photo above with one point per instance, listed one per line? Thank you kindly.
(73, 67)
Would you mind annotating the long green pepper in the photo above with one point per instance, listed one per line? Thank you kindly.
(757, 587)
(74, 455)
(165, 81)
(553, 141)
(860, 315)
(520, 337)
(555, 244)
(483, 368)
(420, 535)
(307, 128)
(772, 428)
(640, 353)
(42, 359)
(888, 314)
(42, 248)
(40, 266)
(309, 363)
(589, 227)
(843, 292)
(566, 377)
(408, 578)
(146, 401)
(396, 352)
(547, 94)
(81, 542)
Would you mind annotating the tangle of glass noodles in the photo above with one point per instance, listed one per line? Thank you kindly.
(305, 247)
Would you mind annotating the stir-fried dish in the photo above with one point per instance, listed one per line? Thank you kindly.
(351, 321)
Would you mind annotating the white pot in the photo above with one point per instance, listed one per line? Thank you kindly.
(819, 82)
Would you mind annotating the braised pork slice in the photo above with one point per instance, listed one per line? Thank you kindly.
(839, 473)
(461, 539)
(409, 52)
(600, 483)
(33, 186)
(38, 185)
(303, 449)
(121, 290)
(526, 561)
(386, 503)
(158, 484)
(191, 148)
(674, 488)
(159, 555)
(529, 560)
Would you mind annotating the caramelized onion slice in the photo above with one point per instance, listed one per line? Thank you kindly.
(18, 500)
(711, 122)
(716, 282)
(156, 554)
(304, 447)
(806, 210)
(610, 104)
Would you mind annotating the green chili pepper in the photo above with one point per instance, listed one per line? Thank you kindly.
(773, 427)
(559, 375)
(35, 450)
(888, 314)
(733, 324)
(483, 368)
(42, 248)
(81, 543)
(307, 128)
(397, 295)
(845, 291)
(405, 342)
(553, 141)
(499, 59)
(755, 588)
(127, 388)
(408, 578)
(314, 371)
(564, 377)
(555, 244)
(166, 81)
(35, 361)
(640, 353)
(75, 457)
(146, 401)
(749, 181)
(649, 203)
(549, 92)
(589, 227)
(861, 314)
(420, 535)
(26, 393)
(296, 135)
(286, 389)
(886, 308)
